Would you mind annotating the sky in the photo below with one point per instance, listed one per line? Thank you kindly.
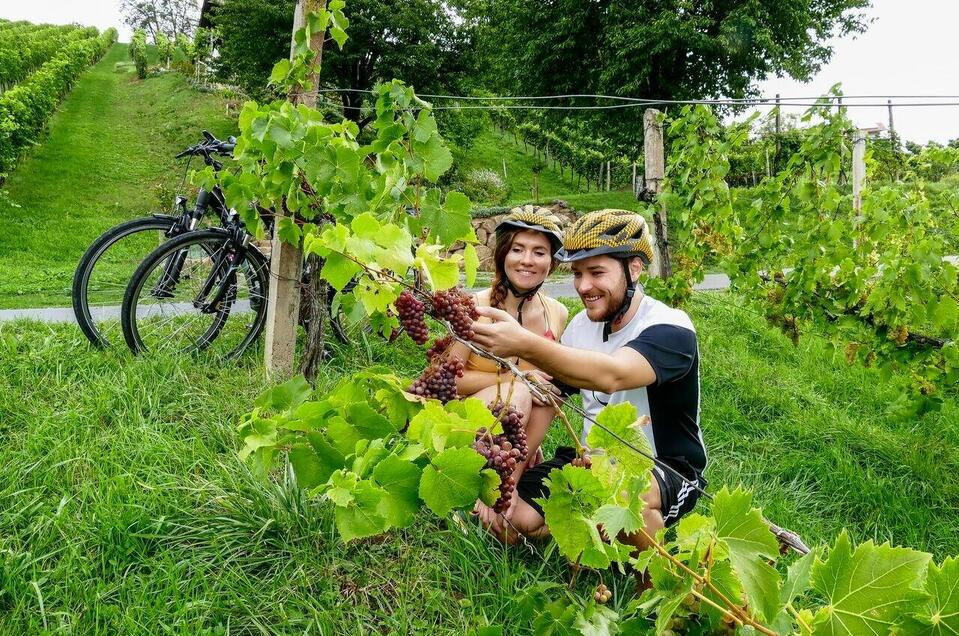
(909, 49)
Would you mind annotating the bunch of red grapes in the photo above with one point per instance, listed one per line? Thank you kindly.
(439, 347)
(503, 452)
(411, 313)
(458, 308)
(453, 305)
(438, 381)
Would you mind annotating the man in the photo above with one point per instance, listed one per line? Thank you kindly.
(624, 347)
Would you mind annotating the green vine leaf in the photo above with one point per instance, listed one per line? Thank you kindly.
(285, 396)
(741, 528)
(401, 479)
(940, 616)
(868, 590)
(452, 480)
(361, 516)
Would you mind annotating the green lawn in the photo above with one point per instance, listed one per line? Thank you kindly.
(108, 149)
(126, 510)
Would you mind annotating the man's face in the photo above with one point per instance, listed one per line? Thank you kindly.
(601, 285)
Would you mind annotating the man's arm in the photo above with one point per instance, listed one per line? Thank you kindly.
(623, 369)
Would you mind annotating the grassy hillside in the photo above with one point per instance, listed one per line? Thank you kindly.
(110, 145)
(491, 149)
(125, 506)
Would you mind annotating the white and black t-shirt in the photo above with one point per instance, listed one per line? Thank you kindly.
(666, 338)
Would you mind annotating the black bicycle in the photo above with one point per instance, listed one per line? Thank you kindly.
(104, 271)
(107, 267)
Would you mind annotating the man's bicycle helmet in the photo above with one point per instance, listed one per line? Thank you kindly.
(620, 234)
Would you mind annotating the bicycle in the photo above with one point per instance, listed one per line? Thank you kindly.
(104, 271)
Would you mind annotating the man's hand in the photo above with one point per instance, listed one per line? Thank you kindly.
(504, 337)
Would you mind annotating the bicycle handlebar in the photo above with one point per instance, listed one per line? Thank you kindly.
(210, 145)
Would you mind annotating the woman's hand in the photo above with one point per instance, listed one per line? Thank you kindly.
(542, 380)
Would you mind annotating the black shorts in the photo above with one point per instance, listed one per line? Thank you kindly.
(677, 493)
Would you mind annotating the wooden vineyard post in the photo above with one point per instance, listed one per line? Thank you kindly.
(858, 176)
(286, 261)
(654, 156)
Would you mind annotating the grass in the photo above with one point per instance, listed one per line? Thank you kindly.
(125, 509)
(491, 148)
(109, 148)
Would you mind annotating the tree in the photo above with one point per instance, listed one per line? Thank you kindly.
(169, 17)
(417, 41)
(658, 49)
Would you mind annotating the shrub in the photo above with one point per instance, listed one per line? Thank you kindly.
(483, 185)
(138, 52)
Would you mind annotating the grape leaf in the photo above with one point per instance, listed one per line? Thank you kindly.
(741, 528)
(368, 422)
(338, 270)
(436, 157)
(491, 481)
(620, 419)
(360, 517)
(797, 577)
(435, 427)
(401, 479)
(557, 619)
(307, 468)
(475, 412)
(616, 519)
(574, 496)
(869, 589)
(940, 615)
(341, 486)
(597, 620)
(470, 264)
(448, 223)
(452, 480)
(287, 395)
(440, 273)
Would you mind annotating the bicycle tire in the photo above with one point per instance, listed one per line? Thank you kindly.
(93, 256)
(211, 244)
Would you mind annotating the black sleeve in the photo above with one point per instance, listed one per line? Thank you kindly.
(670, 350)
(566, 389)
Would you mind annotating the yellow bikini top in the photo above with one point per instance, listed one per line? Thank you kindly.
(552, 311)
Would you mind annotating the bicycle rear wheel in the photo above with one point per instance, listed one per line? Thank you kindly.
(187, 296)
(104, 271)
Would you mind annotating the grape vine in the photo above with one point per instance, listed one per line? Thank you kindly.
(378, 455)
(881, 288)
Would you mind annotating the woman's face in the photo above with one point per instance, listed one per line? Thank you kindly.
(528, 259)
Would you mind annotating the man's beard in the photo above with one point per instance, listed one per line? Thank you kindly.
(612, 307)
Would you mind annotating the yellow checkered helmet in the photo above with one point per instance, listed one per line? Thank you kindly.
(535, 218)
(618, 233)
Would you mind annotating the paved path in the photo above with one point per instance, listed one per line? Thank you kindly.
(65, 314)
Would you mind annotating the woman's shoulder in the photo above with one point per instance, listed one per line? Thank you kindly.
(482, 297)
(556, 308)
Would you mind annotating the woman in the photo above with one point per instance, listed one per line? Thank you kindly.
(523, 257)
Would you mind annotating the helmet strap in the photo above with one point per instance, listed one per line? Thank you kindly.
(627, 301)
(523, 296)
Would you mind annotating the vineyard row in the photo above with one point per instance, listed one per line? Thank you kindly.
(25, 108)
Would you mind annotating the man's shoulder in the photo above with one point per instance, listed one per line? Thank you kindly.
(660, 313)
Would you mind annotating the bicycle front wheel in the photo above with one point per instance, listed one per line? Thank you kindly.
(104, 271)
(197, 292)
